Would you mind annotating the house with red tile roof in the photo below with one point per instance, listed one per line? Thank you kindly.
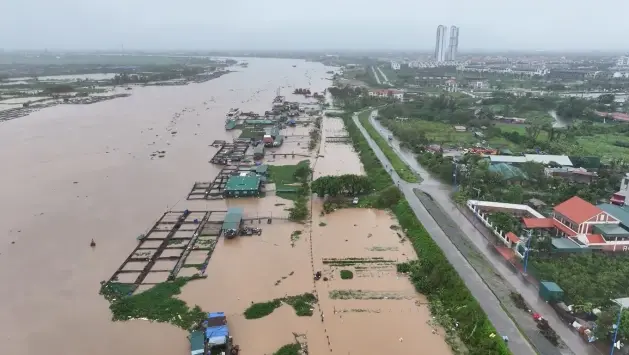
(579, 221)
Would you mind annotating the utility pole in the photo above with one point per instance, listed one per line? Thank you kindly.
(526, 252)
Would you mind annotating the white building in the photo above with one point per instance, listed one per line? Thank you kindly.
(622, 61)
(395, 94)
(395, 65)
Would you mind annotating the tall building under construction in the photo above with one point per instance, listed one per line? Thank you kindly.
(449, 53)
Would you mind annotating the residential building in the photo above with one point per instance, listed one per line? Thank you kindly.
(620, 197)
(395, 65)
(578, 175)
(480, 85)
(243, 185)
(561, 160)
(395, 94)
(622, 61)
(440, 44)
(583, 225)
(453, 47)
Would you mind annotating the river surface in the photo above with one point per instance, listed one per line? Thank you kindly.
(73, 173)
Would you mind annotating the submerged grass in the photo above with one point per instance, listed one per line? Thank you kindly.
(156, 304)
(302, 304)
(289, 349)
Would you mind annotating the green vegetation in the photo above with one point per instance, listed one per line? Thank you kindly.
(589, 281)
(156, 304)
(450, 300)
(347, 275)
(398, 164)
(585, 278)
(301, 303)
(345, 185)
(289, 349)
(431, 119)
(290, 180)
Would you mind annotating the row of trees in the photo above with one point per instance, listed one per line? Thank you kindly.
(343, 185)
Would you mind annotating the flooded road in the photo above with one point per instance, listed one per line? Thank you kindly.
(76, 173)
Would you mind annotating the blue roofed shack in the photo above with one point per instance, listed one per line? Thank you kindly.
(216, 331)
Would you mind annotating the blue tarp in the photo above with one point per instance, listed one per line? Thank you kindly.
(216, 335)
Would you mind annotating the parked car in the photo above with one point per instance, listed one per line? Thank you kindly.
(355, 201)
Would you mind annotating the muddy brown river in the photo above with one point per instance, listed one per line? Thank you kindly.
(75, 173)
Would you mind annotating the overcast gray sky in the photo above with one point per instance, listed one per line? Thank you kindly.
(313, 24)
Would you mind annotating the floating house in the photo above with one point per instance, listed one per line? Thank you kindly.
(243, 185)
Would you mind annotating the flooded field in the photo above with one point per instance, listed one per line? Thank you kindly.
(377, 311)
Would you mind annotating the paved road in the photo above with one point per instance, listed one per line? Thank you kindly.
(386, 80)
(487, 300)
(441, 193)
(376, 75)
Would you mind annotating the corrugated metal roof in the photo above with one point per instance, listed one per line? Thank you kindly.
(197, 341)
(243, 183)
(562, 160)
(506, 159)
(232, 221)
(620, 213)
(565, 243)
(509, 172)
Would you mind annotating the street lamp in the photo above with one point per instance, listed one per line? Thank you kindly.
(526, 252)
(623, 303)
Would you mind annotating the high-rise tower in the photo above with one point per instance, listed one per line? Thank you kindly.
(453, 48)
(440, 45)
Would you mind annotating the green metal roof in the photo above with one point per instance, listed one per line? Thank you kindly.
(261, 169)
(259, 149)
(233, 218)
(564, 243)
(243, 183)
(611, 230)
(508, 171)
(197, 339)
(230, 124)
(264, 122)
(620, 213)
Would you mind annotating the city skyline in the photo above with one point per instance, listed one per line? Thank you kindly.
(445, 53)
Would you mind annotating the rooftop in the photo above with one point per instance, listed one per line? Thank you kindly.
(610, 230)
(620, 213)
(577, 210)
(232, 221)
(509, 172)
(595, 238)
(562, 160)
(535, 223)
(243, 183)
(512, 237)
(564, 243)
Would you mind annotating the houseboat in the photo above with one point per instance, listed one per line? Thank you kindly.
(233, 114)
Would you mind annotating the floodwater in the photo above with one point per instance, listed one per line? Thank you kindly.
(73, 173)
(385, 314)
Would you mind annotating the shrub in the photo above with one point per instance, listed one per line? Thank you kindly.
(347, 275)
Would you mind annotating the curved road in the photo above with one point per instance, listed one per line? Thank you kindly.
(487, 300)
(441, 194)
